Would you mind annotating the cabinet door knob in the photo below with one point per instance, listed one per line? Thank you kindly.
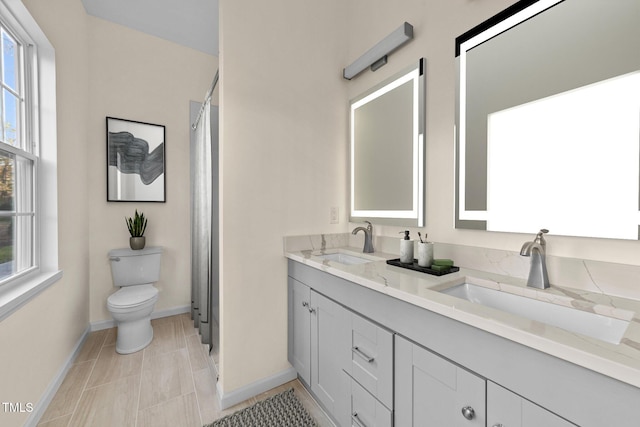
(312, 310)
(468, 412)
(305, 304)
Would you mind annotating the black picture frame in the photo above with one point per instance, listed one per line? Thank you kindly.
(136, 167)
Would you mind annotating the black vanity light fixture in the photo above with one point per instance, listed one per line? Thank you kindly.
(376, 57)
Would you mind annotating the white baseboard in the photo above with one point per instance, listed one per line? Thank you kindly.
(171, 311)
(110, 323)
(227, 400)
(50, 392)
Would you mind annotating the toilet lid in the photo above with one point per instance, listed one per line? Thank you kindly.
(130, 296)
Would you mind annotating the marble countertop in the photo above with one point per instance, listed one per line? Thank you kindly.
(620, 361)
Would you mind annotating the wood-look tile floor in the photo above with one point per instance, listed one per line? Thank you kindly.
(169, 383)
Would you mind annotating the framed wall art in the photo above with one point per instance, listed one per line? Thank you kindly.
(136, 169)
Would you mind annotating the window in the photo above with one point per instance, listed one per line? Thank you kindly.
(18, 159)
(28, 153)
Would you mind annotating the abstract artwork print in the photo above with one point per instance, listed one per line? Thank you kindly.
(135, 161)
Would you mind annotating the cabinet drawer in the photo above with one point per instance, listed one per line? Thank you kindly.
(372, 358)
(366, 410)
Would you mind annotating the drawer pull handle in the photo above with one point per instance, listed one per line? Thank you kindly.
(362, 354)
(468, 412)
(357, 420)
(498, 425)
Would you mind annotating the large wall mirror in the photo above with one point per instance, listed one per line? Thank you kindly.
(387, 151)
(548, 120)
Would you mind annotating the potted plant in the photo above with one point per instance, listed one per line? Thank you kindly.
(136, 225)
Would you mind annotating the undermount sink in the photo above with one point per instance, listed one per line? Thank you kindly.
(594, 325)
(344, 258)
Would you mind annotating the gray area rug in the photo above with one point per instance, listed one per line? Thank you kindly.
(282, 410)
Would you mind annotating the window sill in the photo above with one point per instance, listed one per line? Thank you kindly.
(15, 295)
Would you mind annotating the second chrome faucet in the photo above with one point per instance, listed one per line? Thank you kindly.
(538, 277)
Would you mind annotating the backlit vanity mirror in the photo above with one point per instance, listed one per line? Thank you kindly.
(387, 151)
(548, 120)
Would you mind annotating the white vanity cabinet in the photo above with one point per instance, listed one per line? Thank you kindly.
(432, 391)
(507, 409)
(390, 362)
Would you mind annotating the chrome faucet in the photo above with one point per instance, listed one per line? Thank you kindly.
(538, 277)
(368, 232)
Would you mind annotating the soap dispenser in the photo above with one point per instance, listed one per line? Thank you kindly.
(406, 249)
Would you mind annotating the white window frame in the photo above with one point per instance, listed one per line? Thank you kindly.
(21, 288)
(25, 244)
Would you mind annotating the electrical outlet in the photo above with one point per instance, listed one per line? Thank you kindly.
(334, 215)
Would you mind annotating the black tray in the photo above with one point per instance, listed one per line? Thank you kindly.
(414, 266)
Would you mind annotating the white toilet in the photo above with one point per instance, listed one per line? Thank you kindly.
(132, 305)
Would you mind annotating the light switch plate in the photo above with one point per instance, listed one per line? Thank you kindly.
(334, 215)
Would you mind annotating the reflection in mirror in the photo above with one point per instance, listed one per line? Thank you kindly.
(548, 122)
(387, 151)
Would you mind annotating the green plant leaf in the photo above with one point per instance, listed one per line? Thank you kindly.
(136, 225)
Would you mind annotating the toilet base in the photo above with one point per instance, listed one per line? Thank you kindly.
(133, 336)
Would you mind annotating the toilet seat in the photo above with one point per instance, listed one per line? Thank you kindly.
(132, 296)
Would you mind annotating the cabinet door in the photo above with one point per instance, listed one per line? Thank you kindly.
(507, 409)
(433, 392)
(330, 354)
(300, 328)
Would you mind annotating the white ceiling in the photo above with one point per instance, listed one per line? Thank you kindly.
(191, 23)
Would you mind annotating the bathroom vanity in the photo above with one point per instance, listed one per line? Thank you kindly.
(379, 345)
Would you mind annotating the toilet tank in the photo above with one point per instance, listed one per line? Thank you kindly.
(129, 267)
